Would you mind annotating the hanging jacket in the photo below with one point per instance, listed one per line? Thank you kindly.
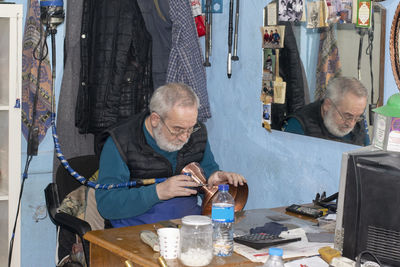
(158, 23)
(290, 67)
(115, 79)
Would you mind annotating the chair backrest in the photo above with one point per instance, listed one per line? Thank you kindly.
(52, 200)
(84, 165)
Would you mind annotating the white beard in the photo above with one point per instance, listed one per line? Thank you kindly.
(330, 124)
(163, 143)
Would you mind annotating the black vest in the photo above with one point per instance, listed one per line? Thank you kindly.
(313, 125)
(143, 162)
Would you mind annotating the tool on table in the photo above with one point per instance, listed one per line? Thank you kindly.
(326, 202)
(150, 238)
(208, 21)
(230, 32)
(162, 262)
(307, 211)
(236, 35)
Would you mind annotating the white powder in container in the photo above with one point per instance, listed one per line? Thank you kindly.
(196, 257)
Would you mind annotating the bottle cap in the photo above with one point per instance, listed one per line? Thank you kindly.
(223, 187)
(275, 252)
(196, 220)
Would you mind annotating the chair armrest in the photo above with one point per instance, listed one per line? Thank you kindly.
(72, 224)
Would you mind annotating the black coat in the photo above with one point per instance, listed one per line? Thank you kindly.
(115, 80)
(290, 69)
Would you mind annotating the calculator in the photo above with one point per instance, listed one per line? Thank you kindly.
(262, 240)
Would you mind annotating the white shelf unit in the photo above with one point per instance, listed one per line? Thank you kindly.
(11, 16)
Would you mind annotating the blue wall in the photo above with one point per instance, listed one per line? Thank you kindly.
(280, 168)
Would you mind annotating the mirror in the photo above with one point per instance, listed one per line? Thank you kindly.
(307, 40)
(395, 46)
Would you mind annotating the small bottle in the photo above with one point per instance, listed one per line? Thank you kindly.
(222, 215)
(275, 258)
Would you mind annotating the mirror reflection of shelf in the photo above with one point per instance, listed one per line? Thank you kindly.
(3, 187)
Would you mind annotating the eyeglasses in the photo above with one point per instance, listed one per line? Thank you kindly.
(180, 132)
(347, 117)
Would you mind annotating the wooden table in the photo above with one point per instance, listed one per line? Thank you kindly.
(112, 247)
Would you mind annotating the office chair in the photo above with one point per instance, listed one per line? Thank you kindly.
(57, 191)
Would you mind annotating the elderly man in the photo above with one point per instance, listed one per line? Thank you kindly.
(155, 144)
(339, 116)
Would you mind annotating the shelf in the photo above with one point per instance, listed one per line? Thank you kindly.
(3, 197)
(11, 16)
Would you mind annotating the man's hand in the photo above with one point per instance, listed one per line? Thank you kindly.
(176, 186)
(220, 177)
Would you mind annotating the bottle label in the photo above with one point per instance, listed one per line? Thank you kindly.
(223, 213)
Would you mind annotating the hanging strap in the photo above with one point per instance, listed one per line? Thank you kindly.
(159, 10)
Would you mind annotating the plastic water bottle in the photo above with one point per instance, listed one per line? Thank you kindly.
(222, 215)
(275, 258)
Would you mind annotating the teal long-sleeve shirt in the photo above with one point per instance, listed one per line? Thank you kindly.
(128, 202)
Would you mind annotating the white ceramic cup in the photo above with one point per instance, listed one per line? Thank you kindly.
(169, 239)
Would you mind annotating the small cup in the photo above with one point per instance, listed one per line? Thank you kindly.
(169, 239)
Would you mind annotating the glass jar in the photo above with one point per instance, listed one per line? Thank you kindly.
(196, 241)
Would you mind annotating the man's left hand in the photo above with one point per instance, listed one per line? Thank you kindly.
(221, 177)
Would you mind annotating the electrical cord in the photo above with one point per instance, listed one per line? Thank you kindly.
(369, 52)
(24, 177)
(359, 257)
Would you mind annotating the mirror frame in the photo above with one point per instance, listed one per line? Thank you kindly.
(394, 46)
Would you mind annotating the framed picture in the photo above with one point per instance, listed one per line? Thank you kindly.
(317, 14)
(266, 113)
(291, 10)
(268, 64)
(273, 36)
(267, 91)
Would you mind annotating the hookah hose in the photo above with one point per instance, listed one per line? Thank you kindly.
(85, 181)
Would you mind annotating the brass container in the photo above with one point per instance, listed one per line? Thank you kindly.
(239, 193)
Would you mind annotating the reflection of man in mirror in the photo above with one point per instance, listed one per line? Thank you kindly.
(339, 116)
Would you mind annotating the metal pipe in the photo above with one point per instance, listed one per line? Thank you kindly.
(236, 35)
(208, 31)
(230, 32)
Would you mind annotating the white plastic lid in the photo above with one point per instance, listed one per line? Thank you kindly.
(196, 220)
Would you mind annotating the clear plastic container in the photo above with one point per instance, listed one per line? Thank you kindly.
(275, 258)
(196, 241)
(222, 214)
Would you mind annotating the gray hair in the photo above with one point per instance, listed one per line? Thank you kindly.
(338, 87)
(170, 95)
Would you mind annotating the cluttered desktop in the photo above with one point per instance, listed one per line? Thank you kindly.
(353, 227)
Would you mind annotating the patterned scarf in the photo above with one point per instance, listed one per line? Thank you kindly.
(42, 118)
(328, 61)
